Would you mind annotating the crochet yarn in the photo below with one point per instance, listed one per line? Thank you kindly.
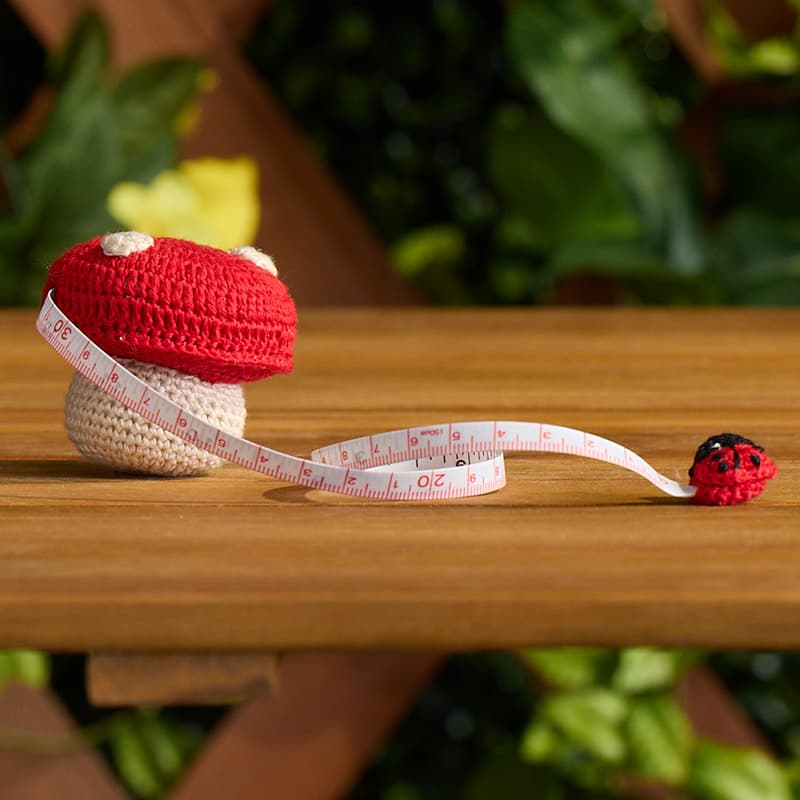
(181, 305)
(729, 469)
(106, 432)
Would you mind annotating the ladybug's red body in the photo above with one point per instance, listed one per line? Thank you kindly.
(730, 469)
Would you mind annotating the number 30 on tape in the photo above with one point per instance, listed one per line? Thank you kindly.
(434, 462)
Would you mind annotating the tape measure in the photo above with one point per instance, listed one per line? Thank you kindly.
(434, 462)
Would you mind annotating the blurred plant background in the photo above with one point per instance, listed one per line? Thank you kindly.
(531, 152)
(501, 152)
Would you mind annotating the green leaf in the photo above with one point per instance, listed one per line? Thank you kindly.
(433, 258)
(719, 772)
(146, 103)
(30, 667)
(659, 739)
(98, 134)
(149, 751)
(557, 185)
(133, 760)
(426, 248)
(620, 259)
(646, 276)
(80, 67)
(642, 669)
(772, 56)
(758, 259)
(570, 667)
(162, 743)
(776, 56)
(6, 668)
(591, 719)
(539, 742)
(566, 53)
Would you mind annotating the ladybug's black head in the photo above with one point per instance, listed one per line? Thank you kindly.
(715, 443)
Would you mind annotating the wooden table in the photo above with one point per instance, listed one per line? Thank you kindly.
(571, 551)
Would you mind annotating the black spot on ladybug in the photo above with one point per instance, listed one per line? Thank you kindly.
(756, 460)
(716, 457)
(722, 467)
(715, 443)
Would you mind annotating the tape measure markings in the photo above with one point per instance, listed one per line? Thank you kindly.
(471, 452)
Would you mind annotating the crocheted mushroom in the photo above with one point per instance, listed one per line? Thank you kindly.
(192, 321)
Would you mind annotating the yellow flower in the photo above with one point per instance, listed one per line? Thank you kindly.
(208, 200)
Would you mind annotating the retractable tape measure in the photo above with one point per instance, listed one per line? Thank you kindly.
(434, 462)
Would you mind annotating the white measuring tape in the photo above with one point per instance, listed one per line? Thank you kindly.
(434, 462)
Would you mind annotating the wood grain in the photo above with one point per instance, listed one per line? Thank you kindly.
(570, 552)
(119, 679)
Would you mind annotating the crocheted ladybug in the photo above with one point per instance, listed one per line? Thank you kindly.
(192, 321)
(730, 469)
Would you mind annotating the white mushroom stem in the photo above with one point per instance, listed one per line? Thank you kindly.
(106, 432)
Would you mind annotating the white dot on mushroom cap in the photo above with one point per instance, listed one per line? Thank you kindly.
(257, 257)
(124, 243)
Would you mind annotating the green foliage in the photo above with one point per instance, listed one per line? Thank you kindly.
(102, 129)
(659, 738)
(571, 667)
(609, 713)
(777, 55)
(28, 667)
(560, 189)
(431, 255)
(730, 773)
(590, 720)
(567, 54)
(545, 139)
(149, 751)
(620, 719)
(647, 669)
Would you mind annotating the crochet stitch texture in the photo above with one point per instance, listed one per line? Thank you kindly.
(181, 305)
(729, 469)
(106, 432)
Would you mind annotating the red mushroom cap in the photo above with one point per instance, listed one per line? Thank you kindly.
(178, 304)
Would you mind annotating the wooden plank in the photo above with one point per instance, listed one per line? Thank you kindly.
(311, 739)
(325, 250)
(115, 679)
(571, 551)
(763, 20)
(240, 16)
(31, 714)
(686, 19)
(715, 714)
